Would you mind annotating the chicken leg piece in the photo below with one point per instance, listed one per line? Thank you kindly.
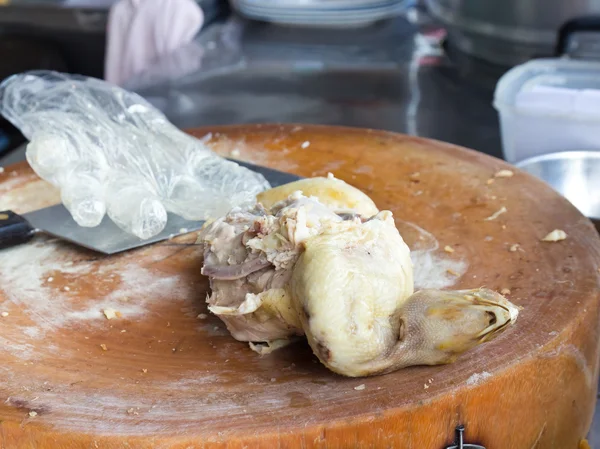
(352, 291)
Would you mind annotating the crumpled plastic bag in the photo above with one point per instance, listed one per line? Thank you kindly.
(111, 152)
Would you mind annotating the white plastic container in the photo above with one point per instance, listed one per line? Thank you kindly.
(549, 105)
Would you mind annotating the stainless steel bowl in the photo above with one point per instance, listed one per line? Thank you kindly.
(573, 174)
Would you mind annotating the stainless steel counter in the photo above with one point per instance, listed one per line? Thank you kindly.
(393, 76)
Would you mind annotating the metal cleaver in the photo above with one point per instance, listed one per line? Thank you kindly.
(106, 238)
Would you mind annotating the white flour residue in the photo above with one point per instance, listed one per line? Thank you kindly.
(198, 403)
(23, 350)
(572, 351)
(31, 196)
(476, 378)
(431, 269)
(24, 285)
(9, 184)
(32, 331)
(96, 313)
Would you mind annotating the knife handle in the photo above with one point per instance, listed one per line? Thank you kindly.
(14, 229)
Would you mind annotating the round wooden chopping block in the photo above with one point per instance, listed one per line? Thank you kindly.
(163, 373)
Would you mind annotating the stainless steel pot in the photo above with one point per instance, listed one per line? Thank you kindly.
(573, 174)
(509, 32)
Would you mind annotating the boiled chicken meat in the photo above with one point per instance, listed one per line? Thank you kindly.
(316, 258)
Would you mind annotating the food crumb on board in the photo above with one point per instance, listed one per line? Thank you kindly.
(103, 346)
(505, 291)
(514, 247)
(360, 387)
(503, 174)
(448, 249)
(202, 316)
(66, 288)
(425, 386)
(110, 314)
(452, 272)
(132, 411)
(555, 236)
(430, 380)
(32, 414)
(123, 331)
(4, 314)
(305, 144)
(235, 152)
(144, 370)
(496, 214)
(490, 181)
(50, 279)
(584, 444)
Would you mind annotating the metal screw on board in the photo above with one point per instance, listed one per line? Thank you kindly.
(459, 442)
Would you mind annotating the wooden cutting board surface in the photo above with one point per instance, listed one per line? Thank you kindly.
(157, 376)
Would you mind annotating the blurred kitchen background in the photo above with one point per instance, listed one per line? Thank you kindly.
(422, 67)
(429, 68)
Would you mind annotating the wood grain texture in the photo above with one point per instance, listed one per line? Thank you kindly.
(168, 379)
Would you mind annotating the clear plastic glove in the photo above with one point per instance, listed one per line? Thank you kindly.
(110, 152)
